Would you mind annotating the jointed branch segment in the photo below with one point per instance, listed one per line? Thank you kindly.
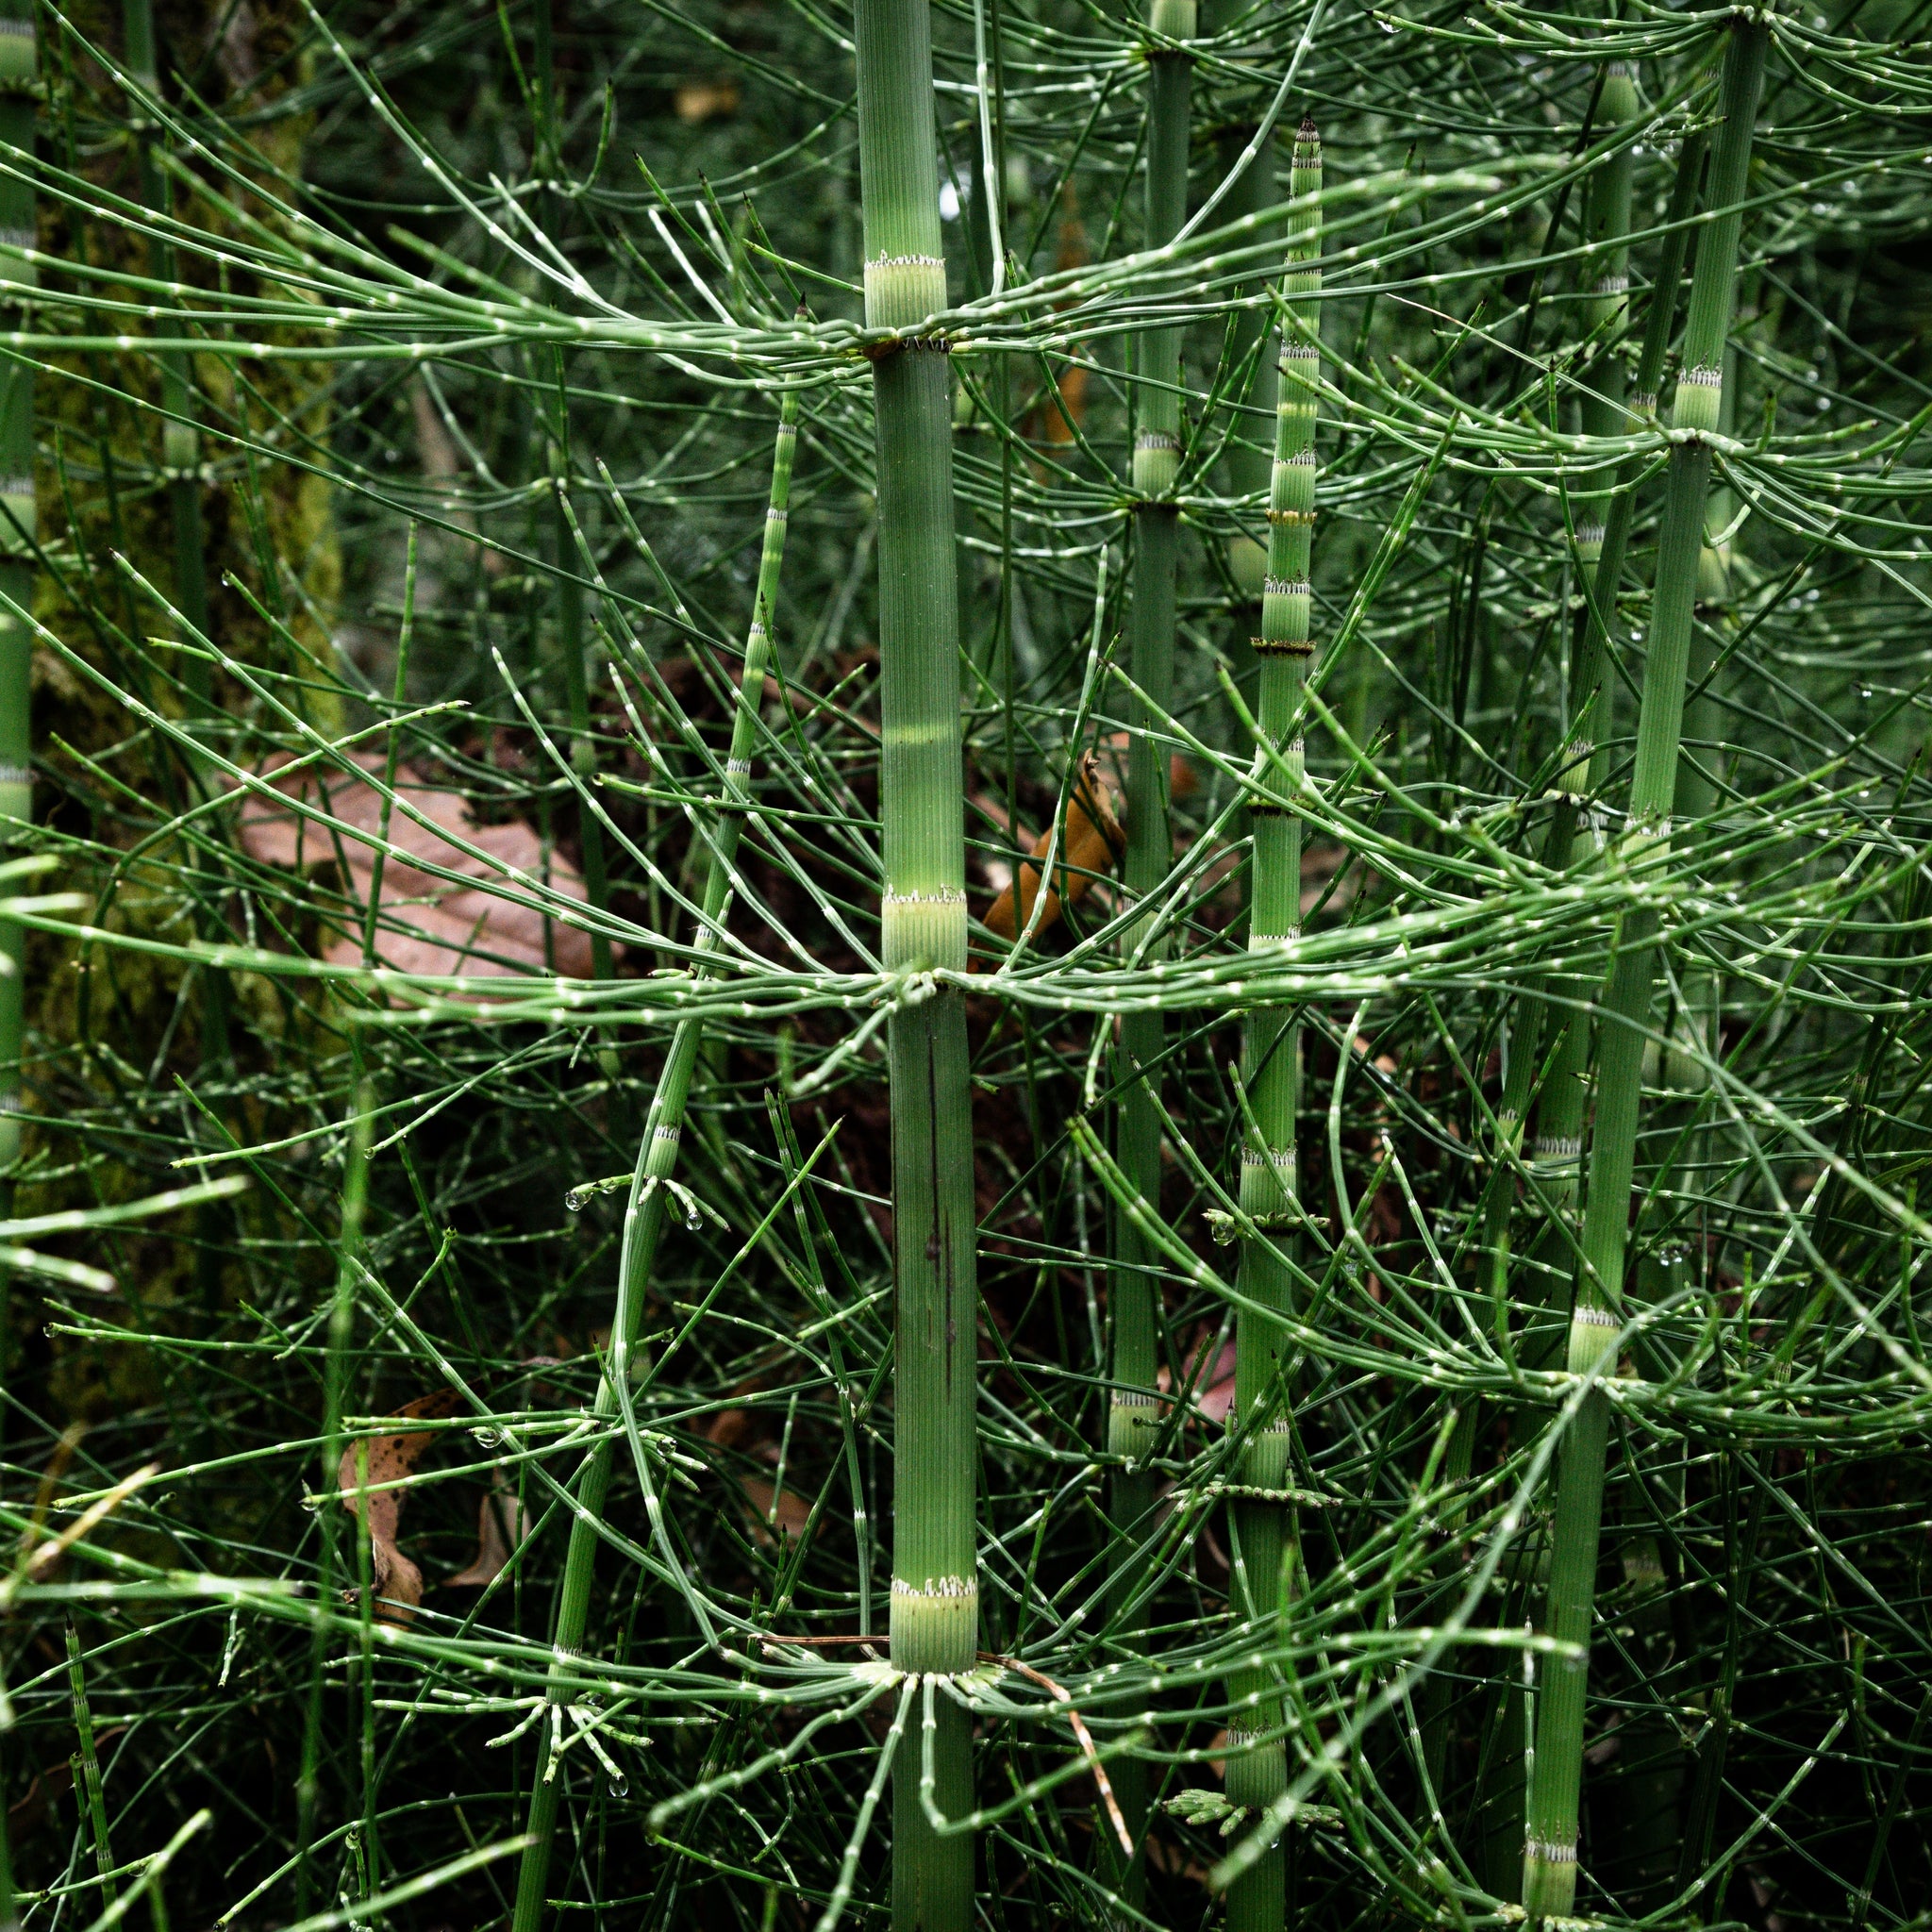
(1265, 1556)
(1549, 1862)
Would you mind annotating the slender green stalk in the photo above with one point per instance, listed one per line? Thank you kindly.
(1559, 1114)
(569, 649)
(1248, 461)
(1263, 1527)
(1150, 841)
(643, 1220)
(564, 550)
(181, 441)
(90, 1756)
(19, 75)
(935, 1604)
(19, 69)
(1133, 1284)
(1603, 538)
(1549, 1861)
(181, 471)
(1609, 230)
(342, 1332)
(18, 80)
(1693, 1032)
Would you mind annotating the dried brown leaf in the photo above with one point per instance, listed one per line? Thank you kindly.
(397, 1581)
(500, 1528)
(447, 928)
(1090, 842)
(788, 1514)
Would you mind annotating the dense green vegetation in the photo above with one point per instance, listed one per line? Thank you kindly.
(968, 964)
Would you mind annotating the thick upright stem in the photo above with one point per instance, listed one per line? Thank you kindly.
(1559, 1114)
(935, 1610)
(1549, 1863)
(643, 1220)
(1134, 1292)
(1255, 191)
(1263, 1527)
(1608, 229)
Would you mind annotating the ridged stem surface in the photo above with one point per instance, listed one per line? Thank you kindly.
(644, 1219)
(934, 1606)
(1600, 565)
(1133, 1287)
(1262, 1524)
(181, 441)
(1557, 1149)
(1549, 1862)
(18, 68)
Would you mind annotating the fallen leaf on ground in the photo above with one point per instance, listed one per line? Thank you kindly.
(1089, 843)
(445, 928)
(499, 1529)
(390, 1460)
(788, 1517)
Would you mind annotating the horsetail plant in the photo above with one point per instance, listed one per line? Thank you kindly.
(19, 73)
(1599, 563)
(1248, 461)
(570, 640)
(1133, 1283)
(643, 1220)
(935, 1601)
(181, 439)
(1606, 312)
(1264, 1553)
(1560, 1109)
(1149, 850)
(1549, 1867)
(394, 329)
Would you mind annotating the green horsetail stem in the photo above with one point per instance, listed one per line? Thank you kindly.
(1606, 314)
(644, 1218)
(577, 687)
(19, 78)
(1132, 1288)
(1694, 1030)
(181, 473)
(1271, 1052)
(335, 1393)
(180, 440)
(1248, 462)
(1150, 841)
(564, 550)
(935, 1604)
(1549, 1858)
(1559, 1114)
(19, 84)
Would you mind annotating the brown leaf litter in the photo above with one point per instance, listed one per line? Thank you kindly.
(1089, 843)
(429, 923)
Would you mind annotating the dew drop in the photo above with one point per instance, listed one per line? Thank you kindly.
(619, 1787)
(573, 1201)
(693, 1219)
